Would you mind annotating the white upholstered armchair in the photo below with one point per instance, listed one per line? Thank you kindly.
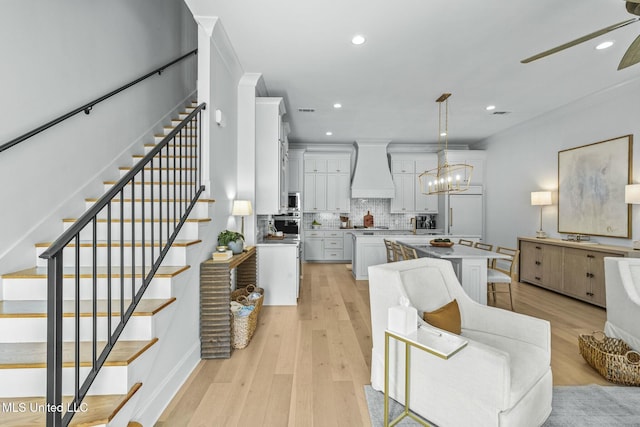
(622, 281)
(501, 378)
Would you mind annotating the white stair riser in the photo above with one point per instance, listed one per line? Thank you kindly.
(175, 256)
(180, 191)
(33, 381)
(15, 330)
(188, 146)
(189, 230)
(186, 160)
(200, 209)
(187, 173)
(36, 288)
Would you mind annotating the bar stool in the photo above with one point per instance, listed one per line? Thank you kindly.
(397, 251)
(390, 253)
(465, 242)
(408, 253)
(484, 247)
(502, 271)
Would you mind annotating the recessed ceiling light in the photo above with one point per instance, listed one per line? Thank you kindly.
(358, 39)
(604, 45)
(443, 134)
(337, 105)
(490, 107)
(329, 133)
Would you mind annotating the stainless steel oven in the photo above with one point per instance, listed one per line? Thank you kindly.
(289, 224)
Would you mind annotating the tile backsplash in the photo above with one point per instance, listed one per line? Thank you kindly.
(379, 208)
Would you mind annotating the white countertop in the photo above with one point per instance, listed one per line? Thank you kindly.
(454, 252)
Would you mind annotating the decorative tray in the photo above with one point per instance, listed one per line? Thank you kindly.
(441, 244)
(272, 237)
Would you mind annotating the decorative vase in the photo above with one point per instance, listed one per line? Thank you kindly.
(236, 247)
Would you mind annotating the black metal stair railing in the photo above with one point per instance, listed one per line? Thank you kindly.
(162, 189)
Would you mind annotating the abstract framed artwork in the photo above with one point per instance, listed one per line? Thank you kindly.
(591, 181)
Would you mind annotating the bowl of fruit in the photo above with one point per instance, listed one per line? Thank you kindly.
(442, 243)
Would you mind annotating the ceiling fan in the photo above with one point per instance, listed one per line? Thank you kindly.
(631, 56)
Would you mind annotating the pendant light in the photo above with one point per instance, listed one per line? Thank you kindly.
(446, 178)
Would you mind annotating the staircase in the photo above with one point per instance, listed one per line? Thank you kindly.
(114, 398)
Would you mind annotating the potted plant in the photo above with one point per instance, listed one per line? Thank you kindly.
(315, 224)
(232, 239)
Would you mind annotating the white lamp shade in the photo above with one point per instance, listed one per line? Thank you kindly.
(540, 198)
(632, 194)
(241, 208)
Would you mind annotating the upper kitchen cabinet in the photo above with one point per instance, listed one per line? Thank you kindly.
(475, 158)
(406, 169)
(271, 156)
(327, 182)
(295, 171)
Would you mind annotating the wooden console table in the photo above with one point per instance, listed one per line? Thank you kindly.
(215, 294)
(571, 268)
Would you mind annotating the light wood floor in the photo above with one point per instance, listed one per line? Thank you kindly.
(307, 365)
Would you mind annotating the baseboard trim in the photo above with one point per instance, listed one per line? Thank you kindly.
(157, 402)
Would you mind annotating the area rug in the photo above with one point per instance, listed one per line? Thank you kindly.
(573, 406)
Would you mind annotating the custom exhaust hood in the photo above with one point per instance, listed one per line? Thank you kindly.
(372, 177)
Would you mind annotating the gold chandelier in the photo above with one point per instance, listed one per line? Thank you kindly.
(446, 178)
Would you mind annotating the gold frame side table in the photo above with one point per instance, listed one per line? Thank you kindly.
(432, 341)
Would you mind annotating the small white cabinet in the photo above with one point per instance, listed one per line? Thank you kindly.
(271, 156)
(278, 273)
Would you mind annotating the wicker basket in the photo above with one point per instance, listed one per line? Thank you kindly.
(611, 357)
(243, 327)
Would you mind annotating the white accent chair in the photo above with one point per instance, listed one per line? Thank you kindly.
(622, 282)
(501, 378)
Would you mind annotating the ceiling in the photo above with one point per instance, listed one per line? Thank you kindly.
(414, 51)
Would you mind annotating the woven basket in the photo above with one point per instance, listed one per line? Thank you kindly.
(243, 327)
(611, 357)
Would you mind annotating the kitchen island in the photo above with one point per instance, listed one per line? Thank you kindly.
(368, 246)
(470, 265)
(279, 270)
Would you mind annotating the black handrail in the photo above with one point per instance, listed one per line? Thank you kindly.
(185, 141)
(89, 106)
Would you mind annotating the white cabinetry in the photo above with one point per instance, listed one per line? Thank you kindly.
(406, 170)
(327, 182)
(278, 273)
(328, 245)
(315, 192)
(271, 156)
(295, 171)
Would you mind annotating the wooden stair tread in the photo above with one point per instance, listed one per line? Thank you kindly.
(138, 221)
(102, 272)
(34, 355)
(127, 168)
(116, 244)
(38, 309)
(170, 156)
(148, 145)
(116, 200)
(148, 182)
(100, 410)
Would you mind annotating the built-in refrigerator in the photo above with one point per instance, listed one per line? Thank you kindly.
(463, 213)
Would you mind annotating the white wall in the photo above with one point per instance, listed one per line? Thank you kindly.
(525, 159)
(58, 56)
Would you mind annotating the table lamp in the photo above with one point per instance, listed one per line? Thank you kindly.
(241, 208)
(540, 198)
(632, 197)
